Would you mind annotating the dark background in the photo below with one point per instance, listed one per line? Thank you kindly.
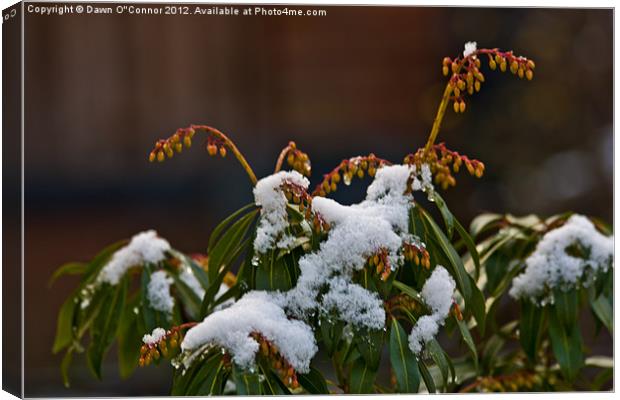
(101, 89)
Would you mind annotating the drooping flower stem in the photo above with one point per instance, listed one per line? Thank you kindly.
(441, 111)
(231, 146)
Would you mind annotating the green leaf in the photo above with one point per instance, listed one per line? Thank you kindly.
(483, 222)
(215, 235)
(603, 309)
(566, 304)
(566, 344)
(313, 382)
(195, 374)
(148, 314)
(104, 327)
(456, 267)
(469, 341)
(212, 382)
(223, 250)
(370, 343)
(331, 333)
(272, 273)
(477, 306)
(469, 243)
(129, 339)
(427, 377)
(188, 297)
(362, 377)
(64, 366)
(247, 383)
(448, 218)
(404, 363)
(439, 356)
(530, 328)
(73, 268)
(64, 325)
(409, 291)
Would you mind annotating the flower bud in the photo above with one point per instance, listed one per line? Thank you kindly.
(223, 151)
(456, 106)
(461, 84)
(477, 86)
(360, 173)
(502, 66)
(457, 91)
(290, 159)
(152, 156)
(455, 67)
(446, 61)
(187, 141)
(160, 156)
(462, 106)
(212, 149)
(529, 74)
(514, 67)
(531, 64)
(445, 70)
(178, 147)
(521, 73)
(492, 64)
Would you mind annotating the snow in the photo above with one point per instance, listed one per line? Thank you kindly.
(187, 276)
(437, 293)
(158, 292)
(145, 247)
(269, 196)
(358, 231)
(551, 266)
(157, 335)
(257, 311)
(325, 284)
(470, 48)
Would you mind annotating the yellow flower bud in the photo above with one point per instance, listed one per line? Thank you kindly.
(290, 159)
(461, 84)
(477, 86)
(457, 91)
(530, 64)
(455, 67)
(514, 67)
(502, 66)
(492, 64)
(212, 149)
(223, 151)
(152, 156)
(445, 70)
(160, 156)
(187, 141)
(462, 106)
(529, 74)
(521, 73)
(456, 106)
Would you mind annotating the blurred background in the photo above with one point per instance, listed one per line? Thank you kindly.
(101, 89)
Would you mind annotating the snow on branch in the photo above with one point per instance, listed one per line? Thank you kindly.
(145, 247)
(437, 294)
(564, 257)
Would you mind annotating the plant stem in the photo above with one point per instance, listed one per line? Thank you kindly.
(283, 154)
(439, 117)
(229, 143)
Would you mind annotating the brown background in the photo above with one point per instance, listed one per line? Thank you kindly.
(101, 89)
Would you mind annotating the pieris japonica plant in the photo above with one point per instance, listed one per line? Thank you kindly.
(295, 276)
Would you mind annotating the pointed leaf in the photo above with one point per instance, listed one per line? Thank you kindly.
(403, 361)
(313, 382)
(362, 378)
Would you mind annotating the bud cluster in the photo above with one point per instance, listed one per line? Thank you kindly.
(443, 162)
(418, 254)
(298, 195)
(514, 382)
(283, 368)
(153, 351)
(466, 75)
(381, 263)
(297, 159)
(166, 147)
(353, 167)
(403, 301)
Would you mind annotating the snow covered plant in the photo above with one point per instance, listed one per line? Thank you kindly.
(554, 268)
(295, 277)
